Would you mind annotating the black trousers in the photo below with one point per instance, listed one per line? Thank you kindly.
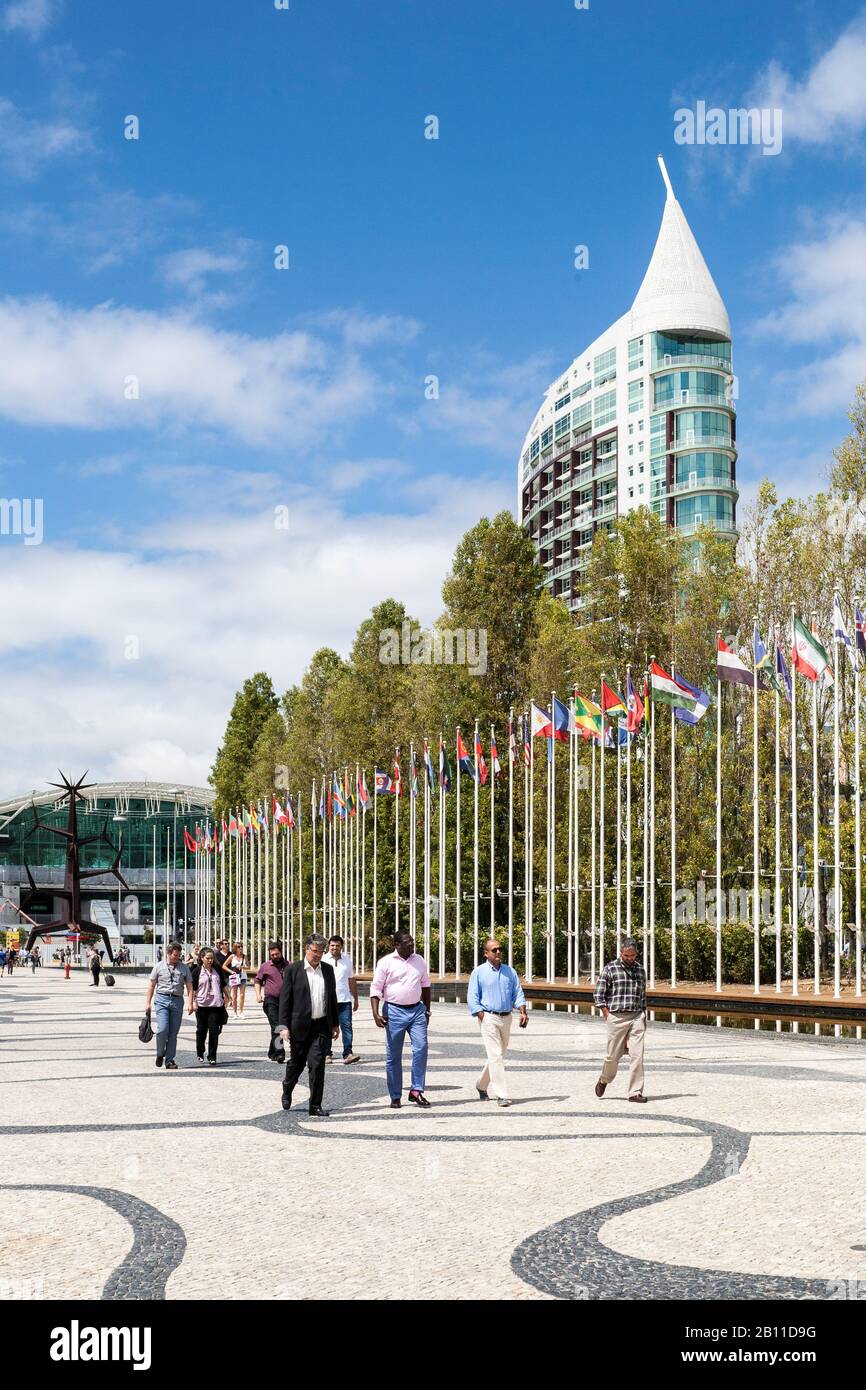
(271, 1010)
(207, 1025)
(94, 970)
(308, 1052)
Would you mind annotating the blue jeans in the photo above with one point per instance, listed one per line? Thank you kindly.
(169, 1013)
(345, 1015)
(400, 1020)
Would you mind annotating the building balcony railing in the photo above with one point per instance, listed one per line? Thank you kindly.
(688, 528)
(704, 485)
(673, 364)
(606, 508)
(693, 440)
(680, 399)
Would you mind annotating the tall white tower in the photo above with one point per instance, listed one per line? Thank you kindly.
(644, 416)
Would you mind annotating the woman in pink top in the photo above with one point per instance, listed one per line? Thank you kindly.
(208, 1004)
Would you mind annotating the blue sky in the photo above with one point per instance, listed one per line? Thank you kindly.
(162, 579)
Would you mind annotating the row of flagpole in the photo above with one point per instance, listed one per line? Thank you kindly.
(261, 852)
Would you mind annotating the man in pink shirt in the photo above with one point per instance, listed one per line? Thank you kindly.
(402, 984)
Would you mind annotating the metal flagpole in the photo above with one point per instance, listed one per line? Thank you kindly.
(530, 863)
(592, 874)
(299, 819)
(718, 820)
(629, 735)
(777, 877)
(652, 845)
(795, 886)
(858, 887)
(284, 935)
(527, 857)
(475, 932)
(426, 874)
(673, 843)
(576, 794)
(291, 858)
(569, 920)
(375, 871)
(314, 855)
(458, 893)
(618, 834)
(441, 881)
(492, 832)
(645, 884)
(511, 755)
(397, 789)
(837, 866)
(413, 831)
(601, 808)
(551, 873)
(364, 872)
(267, 916)
(756, 864)
(262, 898)
(816, 869)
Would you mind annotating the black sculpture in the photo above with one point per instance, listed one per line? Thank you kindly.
(70, 893)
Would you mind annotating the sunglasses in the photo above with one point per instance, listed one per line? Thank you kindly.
(495, 950)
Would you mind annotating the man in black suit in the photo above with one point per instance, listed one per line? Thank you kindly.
(308, 1015)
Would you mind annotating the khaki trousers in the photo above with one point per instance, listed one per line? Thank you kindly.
(495, 1034)
(622, 1029)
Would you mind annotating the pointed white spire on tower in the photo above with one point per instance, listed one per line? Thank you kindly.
(678, 291)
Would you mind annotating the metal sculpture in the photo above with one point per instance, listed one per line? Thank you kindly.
(70, 893)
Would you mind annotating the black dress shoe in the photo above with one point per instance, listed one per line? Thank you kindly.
(317, 1110)
(287, 1100)
(396, 1104)
(419, 1098)
(159, 1059)
(171, 1066)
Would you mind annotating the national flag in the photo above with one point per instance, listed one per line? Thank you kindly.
(188, 842)
(398, 780)
(254, 820)
(729, 667)
(563, 721)
(263, 816)
(330, 804)
(542, 725)
(587, 716)
(289, 815)
(702, 704)
(635, 706)
(464, 762)
(351, 804)
(841, 633)
(337, 799)
(233, 823)
(413, 777)
(860, 635)
(363, 794)
(382, 784)
(428, 766)
(807, 654)
(512, 741)
(782, 673)
(494, 756)
(322, 808)
(671, 690)
(313, 804)
(763, 663)
(444, 766)
(611, 703)
(479, 760)
(524, 739)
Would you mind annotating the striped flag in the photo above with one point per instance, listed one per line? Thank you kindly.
(807, 654)
(729, 667)
(672, 690)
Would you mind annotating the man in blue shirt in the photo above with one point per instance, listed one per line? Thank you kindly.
(494, 993)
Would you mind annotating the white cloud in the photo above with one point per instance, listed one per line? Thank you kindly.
(227, 594)
(30, 17)
(191, 268)
(829, 102)
(486, 404)
(26, 144)
(65, 366)
(108, 228)
(824, 277)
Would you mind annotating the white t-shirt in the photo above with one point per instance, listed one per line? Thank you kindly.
(344, 971)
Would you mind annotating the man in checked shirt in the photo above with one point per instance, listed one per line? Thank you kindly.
(621, 996)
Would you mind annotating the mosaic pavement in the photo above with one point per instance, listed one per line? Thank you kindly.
(744, 1176)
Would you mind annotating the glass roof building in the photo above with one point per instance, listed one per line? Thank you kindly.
(143, 820)
(644, 416)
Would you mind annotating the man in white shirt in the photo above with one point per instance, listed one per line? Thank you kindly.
(347, 996)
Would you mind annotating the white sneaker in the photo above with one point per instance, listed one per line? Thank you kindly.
(352, 1057)
(502, 1100)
